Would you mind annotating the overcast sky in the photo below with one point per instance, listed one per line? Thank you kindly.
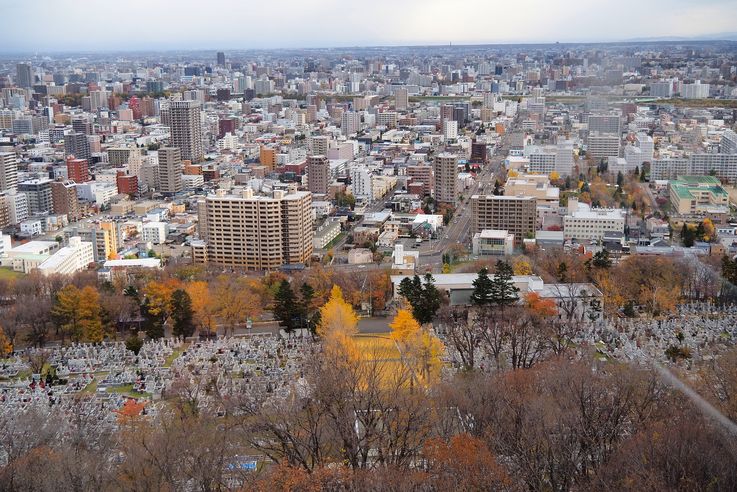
(30, 25)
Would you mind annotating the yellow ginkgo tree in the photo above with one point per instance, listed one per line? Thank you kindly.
(420, 350)
(338, 323)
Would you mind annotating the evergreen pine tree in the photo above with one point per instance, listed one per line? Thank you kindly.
(482, 288)
(285, 305)
(182, 314)
(504, 292)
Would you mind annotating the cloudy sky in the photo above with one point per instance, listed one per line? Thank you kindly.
(44, 25)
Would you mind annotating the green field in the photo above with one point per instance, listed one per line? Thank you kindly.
(9, 274)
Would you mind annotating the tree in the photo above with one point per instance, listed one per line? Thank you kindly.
(423, 297)
(77, 313)
(522, 266)
(134, 344)
(338, 321)
(620, 179)
(601, 259)
(6, 347)
(497, 188)
(203, 305)
(404, 326)
(483, 288)
(688, 236)
(503, 290)
(182, 314)
(286, 308)
(310, 315)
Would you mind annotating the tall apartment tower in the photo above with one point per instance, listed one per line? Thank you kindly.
(170, 170)
(256, 232)
(64, 198)
(24, 75)
(318, 174)
(186, 129)
(401, 99)
(8, 171)
(446, 177)
(76, 144)
(78, 170)
(516, 214)
(221, 58)
(350, 123)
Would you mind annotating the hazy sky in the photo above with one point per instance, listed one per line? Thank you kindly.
(30, 25)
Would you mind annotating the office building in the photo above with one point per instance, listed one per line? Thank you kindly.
(645, 143)
(604, 123)
(318, 174)
(64, 198)
(421, 174)
(515, 214)
(78, 170)
(24, 75)
(8, 171)
(446, 178)
(534, 185)
(170, 170)
(492, 243)
(186, 129)
(603, 145)
(256, 232)
(267, 156)
(221, 58)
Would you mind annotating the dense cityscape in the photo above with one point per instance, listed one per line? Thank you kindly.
(446, 267)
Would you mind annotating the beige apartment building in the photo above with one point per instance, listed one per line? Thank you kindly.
(253, 232)
(186, 129)
(515, 214)
(170, 170)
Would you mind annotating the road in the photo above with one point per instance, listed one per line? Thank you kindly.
(458, 230)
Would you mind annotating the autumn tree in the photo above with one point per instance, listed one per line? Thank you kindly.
(6, 347)
(203, 305)
(338, 322)
(77, 313)
(521, 266)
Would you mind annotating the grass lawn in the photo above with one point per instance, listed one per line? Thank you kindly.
(176, 353)
(90, 388)
(9, 274)
(127, 390)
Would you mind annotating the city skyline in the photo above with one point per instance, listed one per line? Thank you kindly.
(330, 24)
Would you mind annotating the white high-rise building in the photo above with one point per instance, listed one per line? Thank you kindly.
(645, 143)
(697, 90)
(564, 158)
(186, 129)
(450, 130)
(361, 183)
(728, 145)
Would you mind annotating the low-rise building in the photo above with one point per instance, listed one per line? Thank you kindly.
(70, 259)
(697, 194)
(493, 243)
(591, 223)
(154, 232)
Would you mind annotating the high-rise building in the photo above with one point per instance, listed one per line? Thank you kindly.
(516, 214)
(186, 129)
(267, 156)
(78, 170)
(421, 174)
(76, 144)
(318, 174)
(256, 232)
(65, 201)
(351, 123)
(38, 192)
(604, 123)
(603, 145)
(170, 170)
(446, 177)
(318, 145)
(450, 130)
(401, 99)
(221, 58)
(8, 171)
(697, 90)
(24, 75)
(728, 145)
